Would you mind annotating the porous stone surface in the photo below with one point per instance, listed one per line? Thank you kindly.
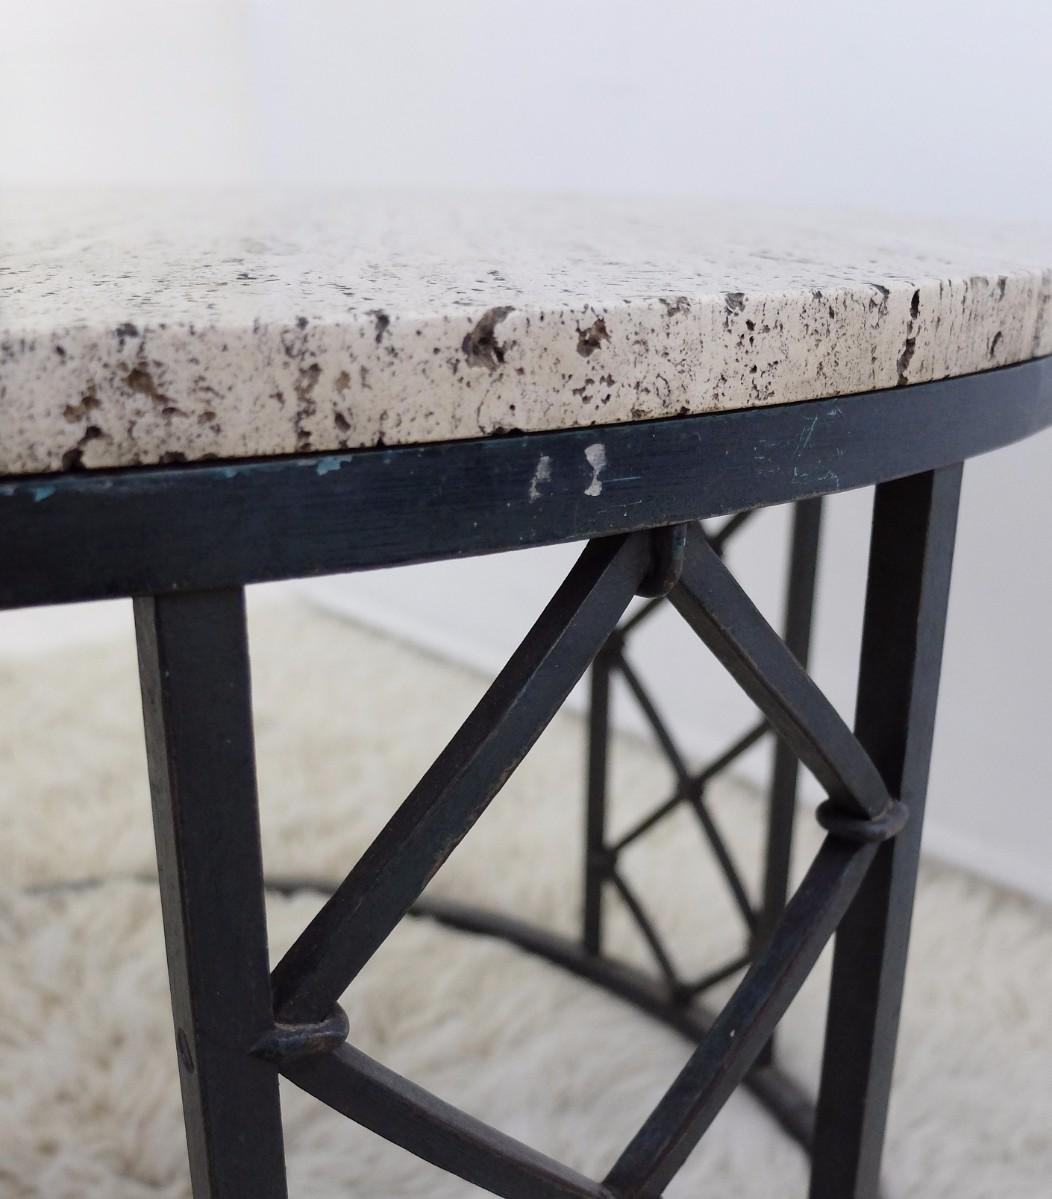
(139, 328)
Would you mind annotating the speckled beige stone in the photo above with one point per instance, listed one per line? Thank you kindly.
(142, 329)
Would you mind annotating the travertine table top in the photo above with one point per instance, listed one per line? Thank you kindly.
(142, 328)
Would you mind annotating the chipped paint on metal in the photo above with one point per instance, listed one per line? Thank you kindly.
(596, 455)
(542, 474)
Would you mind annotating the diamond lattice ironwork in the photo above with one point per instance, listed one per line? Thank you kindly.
(579, 625)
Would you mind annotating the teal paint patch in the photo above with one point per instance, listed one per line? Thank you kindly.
(327, 465)
(42, 492)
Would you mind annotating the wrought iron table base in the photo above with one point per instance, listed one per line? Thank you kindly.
(185, 541)
(194, 646)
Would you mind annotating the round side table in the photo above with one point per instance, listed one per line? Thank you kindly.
(204, 393)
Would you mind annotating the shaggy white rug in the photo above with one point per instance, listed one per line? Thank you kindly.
(347, 720)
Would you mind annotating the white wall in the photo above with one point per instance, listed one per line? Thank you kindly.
(940, 105)
(937, 107)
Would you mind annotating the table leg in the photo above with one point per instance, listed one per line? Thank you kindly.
(914, 522)
(194, 673)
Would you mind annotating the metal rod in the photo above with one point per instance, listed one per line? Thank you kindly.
(595, 810)
(654, 719)
(462, 781)
(397, 1109)
(717, 539)
(778, 1094)
(911, 554)
(744, 743)
(646, 927)
(723, 857)
(692, 792)
(717, 976)
(194, 672)
(743, 1027)
(711, 601)
(781, 806)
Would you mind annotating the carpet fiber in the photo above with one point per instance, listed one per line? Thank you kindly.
(346, 722)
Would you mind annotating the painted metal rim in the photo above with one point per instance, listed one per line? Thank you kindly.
(155, 530)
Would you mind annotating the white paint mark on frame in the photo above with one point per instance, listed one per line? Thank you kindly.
(542, 474)
(596, 455)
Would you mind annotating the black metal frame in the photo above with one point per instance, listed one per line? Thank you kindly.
(185, 541)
